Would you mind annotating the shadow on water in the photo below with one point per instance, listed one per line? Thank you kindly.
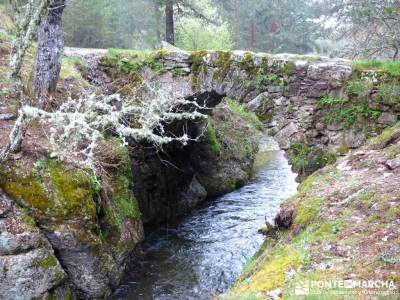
(205, 253)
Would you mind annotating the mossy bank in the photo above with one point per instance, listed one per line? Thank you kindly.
(341, 225)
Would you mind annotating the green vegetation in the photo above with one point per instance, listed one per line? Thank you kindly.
(360, 89)
(250, 117)
(194, 34)
(176, 72)
(198, 65)
(247, 64)
(6, 21)
(263, 77)
(46, 263)
(343, 111)
(306, 159)
(51, 191)
(223, 62)
(212, 138)
(300, 160)
(385, 137)
(389, 94)
(130, 63)
(289, 68)
(73, 67)
(307, 210)
(122, 204)
(383, 67)
(324, 230)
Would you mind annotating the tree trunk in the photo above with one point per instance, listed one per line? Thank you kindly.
(46, 69)
(235, 25)
(169, 22)
(252, 36)
(157, 17)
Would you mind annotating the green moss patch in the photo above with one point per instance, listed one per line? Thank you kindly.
(223, 63)
(212, 138)
(46, 263)
(51, 191)
(130, 63)
(250, 117)
(382, 140)
(247, 64)
(73, 67)
(198, 65)
(121, 205)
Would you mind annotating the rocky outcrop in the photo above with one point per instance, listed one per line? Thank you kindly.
(78, 235)
(29, 267)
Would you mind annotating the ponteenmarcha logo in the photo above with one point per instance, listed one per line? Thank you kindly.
(302, 288)
(350, 287)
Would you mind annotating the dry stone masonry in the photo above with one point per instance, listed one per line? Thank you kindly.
(312, 105)
(285, 91)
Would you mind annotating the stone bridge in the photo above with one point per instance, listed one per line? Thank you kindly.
(285, 91)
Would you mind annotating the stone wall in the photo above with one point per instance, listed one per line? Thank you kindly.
(320, 102)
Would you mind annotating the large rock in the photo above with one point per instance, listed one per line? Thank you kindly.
(194, 195)
(329, 71)
(28, 267)
(387, 118)
(284, 135)
(74, 220)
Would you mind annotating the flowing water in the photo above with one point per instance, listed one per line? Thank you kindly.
(205, 253)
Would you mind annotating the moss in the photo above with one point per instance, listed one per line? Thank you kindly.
(223, 63)
(46, 263)
(270, 272)
(129, 63)
(212, 139)
(343, 149)
(393, 213)
(359, 88)
(262, 76)
(6, 20)
(347, 111)
(122, 204)
(51, 191)
(73, 67)
(385, 137)
(247, 64)
(230, 184)
(307, 209)
(250, 117)
(26, 217)
(198, 65)
(392, 151)
(289, 68)
(177, 72)
(266, 117)
(161, 53)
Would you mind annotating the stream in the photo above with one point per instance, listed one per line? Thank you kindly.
(204, 254)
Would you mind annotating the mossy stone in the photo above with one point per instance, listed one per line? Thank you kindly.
(51, 191)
